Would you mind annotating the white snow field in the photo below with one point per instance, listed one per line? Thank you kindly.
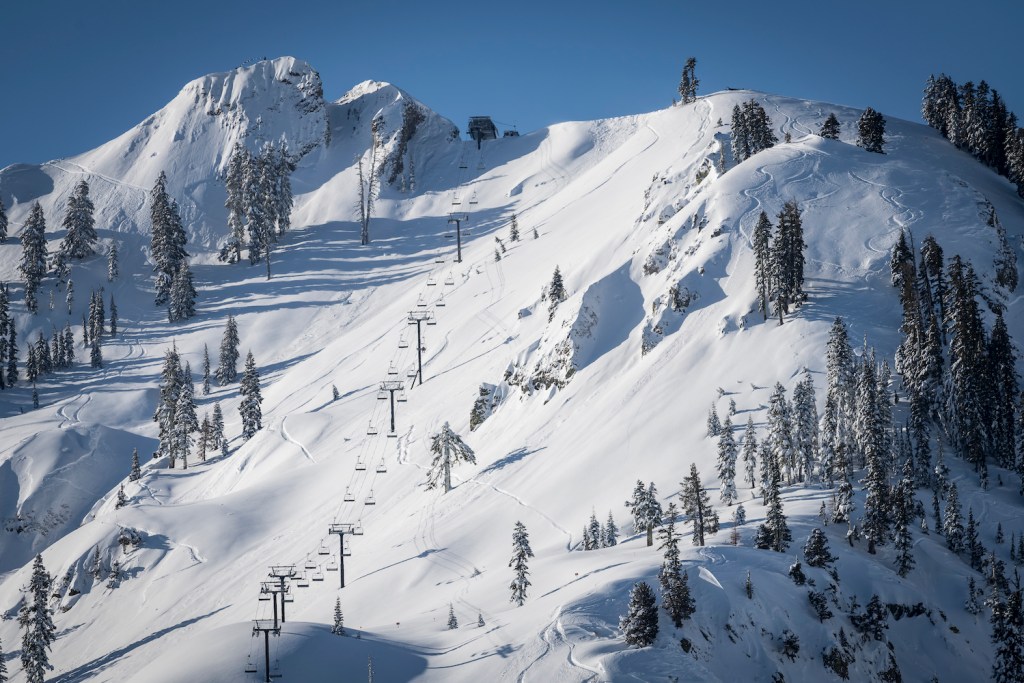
(612, 202)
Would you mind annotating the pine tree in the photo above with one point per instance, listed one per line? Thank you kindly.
(1007, 622)
(3, 662)
(646, 510)
(217, 429)
(206, 370)
(227, 370)
(611, 532)
(595, 532)
(39, 630)
(758, 126)
(805, 427)
(780, 433)
(95, 354)
(480, 620)
(136, 472)
(113, 268)
(714, 425)
(3, 222)
(774, 533)
(513, 234)
(876, 482)
(952, 525)
(33, 256)
(975, 550)
(688, 82)
(171, 381)
(234, 181)
(871, 131)
(748, 587)
(763, 262)
(250, 407)
(740, 139)
(449, 450)
(96, 567)
(122, 499)
(675, 591)
(80, 239)
(727, 463)
(167, 237)
(521, 552)
(556, 293)
(338, 628)
(182, 297)
(1004, 388)
(830, 129)
(697, 506)
(816, 550)
(640, 623)
(787, 260)
(750, 452)
(903, 504)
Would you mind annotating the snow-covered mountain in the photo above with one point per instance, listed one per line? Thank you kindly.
(654, 243)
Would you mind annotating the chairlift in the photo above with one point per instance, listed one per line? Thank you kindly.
(403, 343)
(349, 498)
(332, 564)
(289, 598)
(391, 435)
(382, 468)
(401, 398)
(370, 500)
(318, 575)
(301, 581)
(431, 282)
(480, 167)
(456, 201)
(421, 302)
(440, 301)
(439, 259)
(360, 464)
(371, 430)
(392, 370)
(382, 395)
(357, 528)
(432, 320)
(310, 564)
(450, 280)
(265, 597)
(412, 372)
(346, 551)
(472, 197)
(324, 550)
(250, 667)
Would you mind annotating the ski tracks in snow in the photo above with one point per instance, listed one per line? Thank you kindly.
(901, 219)
(551, 638)
(288, 437)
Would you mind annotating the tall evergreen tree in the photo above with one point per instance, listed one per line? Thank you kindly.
(167, 238)
(611, 532)
(763, 262)
(171, 382)
(805, 427)
(227, 370)
(3, 222)
(646, 510)
(513, 234)
(556, 292)
(774, 533)
(750, 452)
(206, 370)
(816, 550)
(217, 429)
(952, 523)
(3, 661)
(80, 239)
(39, 630)
(338, 628)
(780, 433)
(234, 181)
(740, 137)
(250, 407)
(182, 297)
(688, 82)
(640, 623)
(521, 552)
(33, 255)
(136, 472)
(1007, 622)
(787, 260)
(904, 504)
(113, 267)
(871, 131)
(727, 463)
(830, 128)
(675, 591)
(449, 449)
(1004, 387)
(697, 506)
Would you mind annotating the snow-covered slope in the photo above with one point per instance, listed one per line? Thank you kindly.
(612, 388)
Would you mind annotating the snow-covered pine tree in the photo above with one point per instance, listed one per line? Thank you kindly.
(787, 260)
(740, 136)
(113, 317)
(1007, 623)
(750, 453)
(122, 499)
(759, 127)
(714, 425)
(184, 425)
(234, 182)
(497, 255)
(171, 381)
(206, 370)
(182, 298)
(830, 128)
(203, 442)
(975, 550)
(904, 504)
(227, 370)
(338, 628)
(250, 408)
(763, 262)
(80, 239)
(805, 427)
(449, 449)
(453, 621)
(513, 234)
(480, 620)
(113, 267)
(611, 532)
(3, 222)
(952, 524)
(521, 552)
(697, 506)
(816, 550)
(556, 293)
(675, 591)
(217, 429)
(877, 520)
(135, 473)
(774, 533)
(871, 131)
(640, 623)
(335, 394)
(780, 433)
(95, 353)
(39, 630)
(3, 660)
(688, 82)
(1005, 392)
(167, 239)
(727, 463)
(282, 196)
(33, 255)
(595, 532)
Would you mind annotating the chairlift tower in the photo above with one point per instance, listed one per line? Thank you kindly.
(282, 573)
(417, 318)
(458, 219)
(341, 530)
(266, 627)
(391, 386)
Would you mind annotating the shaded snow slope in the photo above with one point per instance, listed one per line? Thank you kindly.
(617, 205)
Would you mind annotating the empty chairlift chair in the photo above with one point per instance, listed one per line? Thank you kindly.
(332, 564)
(310, 564)
(392, 370)
(301, 581)
(382, 468)
(403, 343)
(370, 500)
(360, 463)
(440, 301)
(357, 528)
(450, 280)
(431, 281)
(371, 430)
(250, 666)
(318, 575)
(324, 550)
(346, 551)
(349, 497)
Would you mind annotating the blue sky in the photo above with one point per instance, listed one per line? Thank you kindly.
(78, 74)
